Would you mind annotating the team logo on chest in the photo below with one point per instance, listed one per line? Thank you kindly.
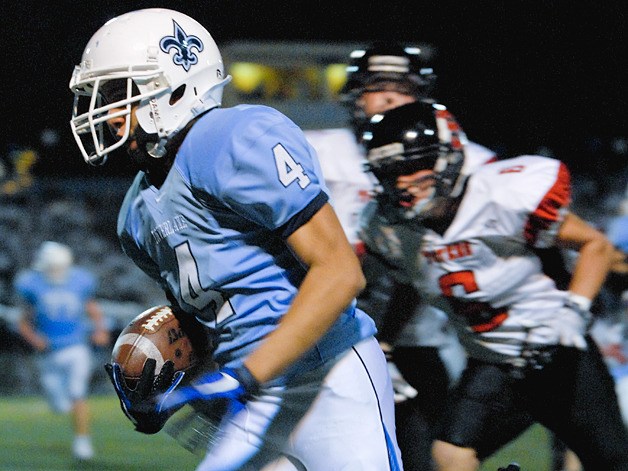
(184, 46)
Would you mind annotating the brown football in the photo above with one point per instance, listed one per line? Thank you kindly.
(155, 333)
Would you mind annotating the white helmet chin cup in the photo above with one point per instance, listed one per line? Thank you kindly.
(168, 57)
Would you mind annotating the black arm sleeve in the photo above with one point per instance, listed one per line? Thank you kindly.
(404, 299)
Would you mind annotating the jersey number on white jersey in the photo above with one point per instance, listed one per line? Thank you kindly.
(480, 316)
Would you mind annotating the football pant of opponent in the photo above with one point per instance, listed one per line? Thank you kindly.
(493, 404)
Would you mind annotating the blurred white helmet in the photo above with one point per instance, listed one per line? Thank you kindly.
(161, 60)
(54, 260)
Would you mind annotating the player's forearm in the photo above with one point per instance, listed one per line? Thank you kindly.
(100, 335)
(594, 259)
(29, 334)
(325, 292)
(592, 267)
(95, 314)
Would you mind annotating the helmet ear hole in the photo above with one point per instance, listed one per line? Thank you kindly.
(177, 95)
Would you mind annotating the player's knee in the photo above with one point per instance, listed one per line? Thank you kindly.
(449, 457)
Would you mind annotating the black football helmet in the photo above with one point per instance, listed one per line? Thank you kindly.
(388, 62)
(385, 66)
(418, 136)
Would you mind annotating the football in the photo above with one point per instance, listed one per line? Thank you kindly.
(155, 333)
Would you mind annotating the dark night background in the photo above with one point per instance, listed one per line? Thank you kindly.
(518, 74)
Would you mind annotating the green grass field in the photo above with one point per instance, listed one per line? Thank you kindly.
(33, 438)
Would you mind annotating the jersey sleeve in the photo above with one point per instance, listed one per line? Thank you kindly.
(543, 222)
(88, 282)
(23, 288)
(265, 170)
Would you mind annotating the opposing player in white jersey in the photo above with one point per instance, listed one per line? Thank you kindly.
(530, 357)
(342, 161)
(229, 214)
(381, 77)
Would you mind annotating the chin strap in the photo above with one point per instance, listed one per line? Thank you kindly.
(157, 149)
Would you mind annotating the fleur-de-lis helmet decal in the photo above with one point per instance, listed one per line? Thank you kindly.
(184, 46)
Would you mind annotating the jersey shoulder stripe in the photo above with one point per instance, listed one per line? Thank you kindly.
(550, 211)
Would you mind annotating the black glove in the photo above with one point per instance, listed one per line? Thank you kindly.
(143, 404)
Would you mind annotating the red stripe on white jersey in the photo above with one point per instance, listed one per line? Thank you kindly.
(548, 211)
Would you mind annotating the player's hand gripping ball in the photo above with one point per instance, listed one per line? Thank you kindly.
(155, 333)
(149, 360)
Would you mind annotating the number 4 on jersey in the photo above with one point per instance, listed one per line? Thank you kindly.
(288, 169)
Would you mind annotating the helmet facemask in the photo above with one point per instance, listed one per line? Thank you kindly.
(94, 104)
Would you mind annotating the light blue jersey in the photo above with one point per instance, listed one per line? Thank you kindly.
(59, 308)
(213, 235)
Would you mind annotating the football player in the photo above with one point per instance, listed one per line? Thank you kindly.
(229, 213)
(56, 297)
(425, 355)
(530, 355)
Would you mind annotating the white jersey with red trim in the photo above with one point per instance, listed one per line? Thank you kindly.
(475, 155)
(484, 264)
(342, 161)
(399, 244)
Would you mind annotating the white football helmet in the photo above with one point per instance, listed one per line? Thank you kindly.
(163, 61)
(53, 260)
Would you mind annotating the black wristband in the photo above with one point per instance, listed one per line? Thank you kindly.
(246, 379)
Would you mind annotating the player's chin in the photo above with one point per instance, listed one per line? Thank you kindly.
(141, 160)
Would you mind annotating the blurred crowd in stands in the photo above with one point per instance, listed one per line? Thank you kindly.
(81, 214)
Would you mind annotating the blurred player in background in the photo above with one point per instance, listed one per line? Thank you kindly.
(617, 349)
(425, 355)
(230, 214)
(58, 306)
(530, 356)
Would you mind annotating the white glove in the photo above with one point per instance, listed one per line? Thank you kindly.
(401, 388)
(572, 322)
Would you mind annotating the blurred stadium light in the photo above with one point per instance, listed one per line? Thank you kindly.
(300, 79)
